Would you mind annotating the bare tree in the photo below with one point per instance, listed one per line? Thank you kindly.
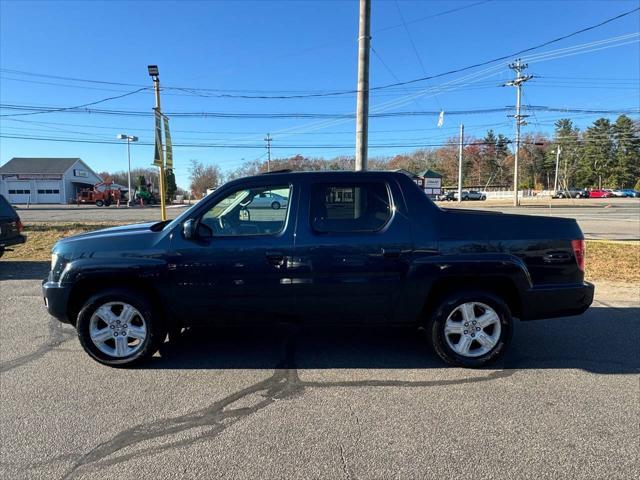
(203, 177)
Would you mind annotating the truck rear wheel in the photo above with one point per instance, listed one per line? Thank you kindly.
(99, 203)
(471, 328)
(119, 328)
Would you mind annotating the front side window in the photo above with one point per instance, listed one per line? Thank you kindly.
(251, 211)
(355, 207)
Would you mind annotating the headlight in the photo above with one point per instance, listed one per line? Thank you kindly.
(54, 260)
(58, 263)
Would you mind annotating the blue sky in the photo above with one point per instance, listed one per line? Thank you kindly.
(289, 47)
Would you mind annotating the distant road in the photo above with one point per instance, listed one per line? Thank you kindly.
(615, 219)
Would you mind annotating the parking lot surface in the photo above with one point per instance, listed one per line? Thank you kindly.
(320, 403)
(615, 219)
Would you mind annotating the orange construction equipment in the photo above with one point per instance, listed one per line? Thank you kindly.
(102, 194)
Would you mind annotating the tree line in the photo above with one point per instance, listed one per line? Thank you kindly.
(604, 155)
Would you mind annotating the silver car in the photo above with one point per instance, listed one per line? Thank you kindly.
(268, 200)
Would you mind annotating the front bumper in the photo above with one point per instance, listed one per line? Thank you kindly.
(56, 299)
(557, 301)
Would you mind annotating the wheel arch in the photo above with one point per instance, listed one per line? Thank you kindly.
(501, 286)
(85, 288)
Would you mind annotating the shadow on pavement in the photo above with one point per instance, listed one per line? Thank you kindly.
(603, 340)
(23, 270)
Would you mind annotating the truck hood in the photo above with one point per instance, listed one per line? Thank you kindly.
(126, 240)
(489, 226)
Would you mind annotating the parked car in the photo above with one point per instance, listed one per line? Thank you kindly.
(471, 195)
(621, 192)
(10, 226)
(365, 248)
(447, 197)
(269, 200)
(600, 193)
(572, 193)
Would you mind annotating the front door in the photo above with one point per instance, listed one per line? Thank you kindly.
(235, 268)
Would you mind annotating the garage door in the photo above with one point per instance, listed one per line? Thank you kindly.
(48, 191)
(18, 192)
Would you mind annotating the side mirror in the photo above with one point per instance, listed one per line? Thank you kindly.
(189, 229)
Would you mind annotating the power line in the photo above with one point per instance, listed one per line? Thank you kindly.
(64, 109)
(288, 115)
(343, 92)
(413, 46)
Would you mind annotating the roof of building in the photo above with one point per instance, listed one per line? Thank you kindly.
(429, 174)
(18, 165)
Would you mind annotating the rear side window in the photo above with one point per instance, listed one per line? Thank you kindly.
(6, 210)
(352, 207)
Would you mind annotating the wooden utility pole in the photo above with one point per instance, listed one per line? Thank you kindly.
(518, 67)
(460, 163)
(362, 109)
(268, 139)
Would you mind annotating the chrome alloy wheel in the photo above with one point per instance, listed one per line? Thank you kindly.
(118, 329)
(472, 329)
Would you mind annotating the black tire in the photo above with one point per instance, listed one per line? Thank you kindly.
(99, 203)
(156, 329)
(1, 252)
(275, 205)
(435, 328)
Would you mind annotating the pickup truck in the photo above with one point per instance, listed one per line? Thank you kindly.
(364, 248)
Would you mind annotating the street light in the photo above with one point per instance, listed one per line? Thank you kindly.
(153, 70)
(129, 139)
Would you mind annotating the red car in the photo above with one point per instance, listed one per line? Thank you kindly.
(600, 193)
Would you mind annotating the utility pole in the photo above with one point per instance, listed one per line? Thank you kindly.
(153, 73)
(268, 139)
(555, 182)
(362, 107)
(460, 163)
(518, 67)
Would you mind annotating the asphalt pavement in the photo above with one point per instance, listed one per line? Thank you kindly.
(613, 219)
(320, 403)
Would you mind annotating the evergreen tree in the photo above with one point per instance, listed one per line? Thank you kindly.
(170, 181)
(597, 155)
(625, 170)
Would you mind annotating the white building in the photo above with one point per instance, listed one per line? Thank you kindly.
(45, 180)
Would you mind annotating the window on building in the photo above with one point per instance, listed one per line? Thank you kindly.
(354, 207)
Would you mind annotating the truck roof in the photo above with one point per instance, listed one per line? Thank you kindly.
(282, 174)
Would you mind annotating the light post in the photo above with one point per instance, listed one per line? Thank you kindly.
(159, 160)
(129, 139)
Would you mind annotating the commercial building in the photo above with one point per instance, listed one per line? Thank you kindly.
(45, 180)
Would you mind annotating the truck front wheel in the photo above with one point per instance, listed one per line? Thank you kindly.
(470, 328)
(120, 328)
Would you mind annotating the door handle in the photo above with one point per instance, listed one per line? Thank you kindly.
(276, 259)
(391, 252)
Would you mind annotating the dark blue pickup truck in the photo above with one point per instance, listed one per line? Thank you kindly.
(336, 248)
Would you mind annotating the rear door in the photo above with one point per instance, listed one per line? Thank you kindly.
(352, 251)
